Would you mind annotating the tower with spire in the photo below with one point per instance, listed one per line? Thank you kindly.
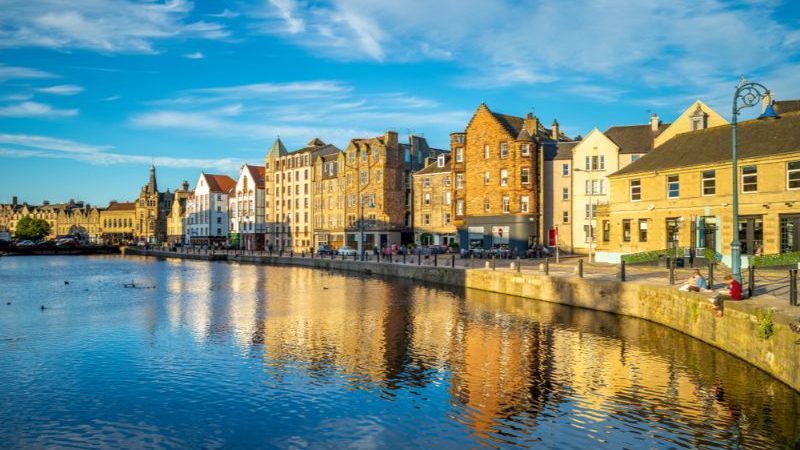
(152, 209)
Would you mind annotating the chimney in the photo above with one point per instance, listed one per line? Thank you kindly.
(14, 200)
(391, 139)
(556, 131)
(426, 162)
(654, 122)
(531, 124)
(185, 186)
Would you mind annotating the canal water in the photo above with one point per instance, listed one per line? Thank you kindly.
(207, 355)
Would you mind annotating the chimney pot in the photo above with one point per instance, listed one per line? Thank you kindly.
(654, 122)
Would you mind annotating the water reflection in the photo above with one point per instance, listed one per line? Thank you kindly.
(412, 366)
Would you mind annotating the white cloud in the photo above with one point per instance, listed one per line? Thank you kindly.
(16, 72)
(195, 55)
(61, 89)
(34, 146)
(107, 26)
(35, 109)
(225, 14)
(112, 98)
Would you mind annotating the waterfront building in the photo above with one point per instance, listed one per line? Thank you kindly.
(328, 202)
(117, 223)
(176, 219)
(57, 215)
(207, 210)
(152, 208)
(83, 221)
(374, 191)
(576, 174)
(433, 215)
(679, 195)
(246, 205)
(288, 195)
(417, 154)
(496, 174)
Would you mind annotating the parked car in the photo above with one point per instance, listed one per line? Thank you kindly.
(26, 243)
(325, 249)
(347, 251)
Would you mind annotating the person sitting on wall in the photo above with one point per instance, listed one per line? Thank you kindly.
(734, 289)
(695, 283)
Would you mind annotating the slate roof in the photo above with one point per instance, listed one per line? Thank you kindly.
(713, 145)
(277, 150)
(434, 167)
(563, 151)
(220, 183)
(786, 106)
(634, 138)
(121, 206)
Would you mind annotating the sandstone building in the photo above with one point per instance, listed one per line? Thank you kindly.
(433, 214)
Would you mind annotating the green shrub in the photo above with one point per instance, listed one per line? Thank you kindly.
(779, 259)
(711, 255)
(765, 325)
(652, 256)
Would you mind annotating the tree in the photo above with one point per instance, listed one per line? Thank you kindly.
(30, 228)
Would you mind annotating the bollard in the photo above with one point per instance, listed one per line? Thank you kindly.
(493, 262)
(453, 261)
(622, 270)
(519, 264)
(404, 257)
(435, 260)
(580, 268)
(751, 278)
(671, 272)
(547, 265)
(291, 253)
(711, 275)
(793, 287)
(419, 259)
(471, 261)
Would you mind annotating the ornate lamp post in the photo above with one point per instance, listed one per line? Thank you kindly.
(747, 94)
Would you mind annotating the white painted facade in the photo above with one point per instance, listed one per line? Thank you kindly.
(207, 211)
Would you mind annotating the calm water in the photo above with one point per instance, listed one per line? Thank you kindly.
(223, 355)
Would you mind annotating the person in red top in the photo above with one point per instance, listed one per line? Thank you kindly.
(734, 290)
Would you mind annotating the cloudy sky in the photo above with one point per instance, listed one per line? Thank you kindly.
(92, 91)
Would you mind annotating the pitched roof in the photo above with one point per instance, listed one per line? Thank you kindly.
(258, 174)
(713, 145)
(219, 183)
(434, 167)
(787, 106)
(563, 151)
(121, 206)
(512, 124)
(634, 138)
(277, 150)
(316, 142)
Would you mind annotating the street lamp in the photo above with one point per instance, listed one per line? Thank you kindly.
(748, 94)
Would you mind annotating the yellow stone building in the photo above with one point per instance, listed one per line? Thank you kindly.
(64, 218)
(152, 208)
(176, 219)
(117, 223)
(680, 194)
(433, 215)
(329, 198)
(83, 221)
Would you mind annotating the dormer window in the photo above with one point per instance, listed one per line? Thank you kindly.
(440, 161)
(699, 119)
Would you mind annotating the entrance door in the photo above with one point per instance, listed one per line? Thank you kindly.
(790, 233)
(707, 233)
(751, 234)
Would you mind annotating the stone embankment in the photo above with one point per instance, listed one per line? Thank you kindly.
(760, 331)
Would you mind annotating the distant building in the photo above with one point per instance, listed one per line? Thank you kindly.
(176, 220)
(117, 222)
(433, 215)
(207, 210)
(246, 206)
(328, 198)
(152, 208)
(84, 222)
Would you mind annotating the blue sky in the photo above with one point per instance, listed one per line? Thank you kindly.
(91, 91)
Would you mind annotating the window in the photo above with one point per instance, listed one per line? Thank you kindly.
(364, 177)
(376, 153)
(426, 182)
(503, 150)
(486, 151)
(459, 180)
(486, 205)
(565, 217)
(427, 199)
(364, 155)
(377, 176)
(525, 150)
(602, 162)
(642, 230)
(591, 210)
(635, 158)
(447, 218)
(460, 207)
(506, 203)
(565, 170)
(504, 177)
(565, 193)
(587, 163)
(588, 232)
(673, 186)
(709, 182)
(523, 204)
(626, 230)
(460, 154)
(793, 174)
(525, 175)
(636, 190)
(446, 198)
(749, 179)
(486, 177)
(460, 138)
(440, 161)
(426, 219)
(606, 231)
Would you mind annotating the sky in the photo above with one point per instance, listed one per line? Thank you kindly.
(94, 91)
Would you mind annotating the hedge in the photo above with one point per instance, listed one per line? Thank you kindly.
(779, 259)
(652, 256)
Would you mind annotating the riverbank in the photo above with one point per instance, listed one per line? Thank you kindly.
(84, 250)
(756, 330)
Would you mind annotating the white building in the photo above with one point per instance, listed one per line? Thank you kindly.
(207, 210)
(246, 206)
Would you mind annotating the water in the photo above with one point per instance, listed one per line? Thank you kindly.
(226, 355)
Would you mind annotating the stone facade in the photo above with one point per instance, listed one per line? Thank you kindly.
(329, 199)
(64, 218)
(118, 223)
(496, 188)
(152, 209)
(176, 220)
(433, 205)
(83, 222)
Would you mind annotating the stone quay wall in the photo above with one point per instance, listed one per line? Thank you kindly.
(756, 330)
